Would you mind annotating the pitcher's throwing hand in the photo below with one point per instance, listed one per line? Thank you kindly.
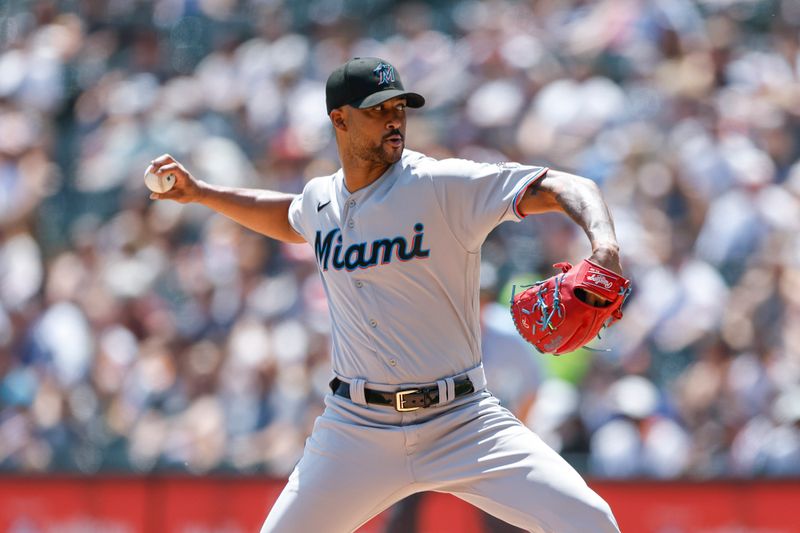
(186, 187)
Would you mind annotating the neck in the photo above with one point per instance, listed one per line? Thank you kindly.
(360, 173)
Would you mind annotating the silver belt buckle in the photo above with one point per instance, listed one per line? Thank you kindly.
(400, 400)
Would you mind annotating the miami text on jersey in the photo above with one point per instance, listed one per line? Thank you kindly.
(364, 254)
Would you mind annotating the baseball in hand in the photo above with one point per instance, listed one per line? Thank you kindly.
(157, 183)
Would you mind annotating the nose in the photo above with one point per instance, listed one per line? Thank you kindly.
(395, 119)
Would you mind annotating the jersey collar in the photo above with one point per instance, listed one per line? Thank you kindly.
(386, 180)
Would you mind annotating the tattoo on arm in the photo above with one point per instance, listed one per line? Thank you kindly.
(580, 199)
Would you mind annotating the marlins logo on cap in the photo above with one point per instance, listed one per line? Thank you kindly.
(385, 73)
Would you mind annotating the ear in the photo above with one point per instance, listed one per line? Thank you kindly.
(337, 118)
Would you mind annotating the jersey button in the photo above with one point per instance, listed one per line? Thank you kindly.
(350, 224)
(392, 362)
(351, 203)
(373, 323)
(359, 284)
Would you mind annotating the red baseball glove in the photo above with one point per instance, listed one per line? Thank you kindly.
(553, 314)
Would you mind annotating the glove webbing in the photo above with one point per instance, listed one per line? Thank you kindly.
(547, 317)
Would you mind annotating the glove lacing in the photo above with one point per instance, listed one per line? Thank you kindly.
(547, 312)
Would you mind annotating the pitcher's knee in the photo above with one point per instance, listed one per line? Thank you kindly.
(575, 516)
(582, 515)
(600, 518)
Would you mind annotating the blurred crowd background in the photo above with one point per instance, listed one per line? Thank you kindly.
(141, 336)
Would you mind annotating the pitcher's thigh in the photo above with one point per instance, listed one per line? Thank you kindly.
(489, 458)
(345, 477)
(523, 481)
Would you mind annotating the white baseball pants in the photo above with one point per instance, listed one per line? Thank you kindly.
(359, 460)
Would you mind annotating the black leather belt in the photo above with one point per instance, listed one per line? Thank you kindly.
(404, 400)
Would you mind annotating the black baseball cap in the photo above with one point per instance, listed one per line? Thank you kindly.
(364, 82)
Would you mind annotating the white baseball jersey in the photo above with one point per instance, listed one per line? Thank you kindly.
(400, 262)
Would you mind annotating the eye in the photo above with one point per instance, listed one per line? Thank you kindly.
(400, 107)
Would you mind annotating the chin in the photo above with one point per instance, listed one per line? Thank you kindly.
(393, 155)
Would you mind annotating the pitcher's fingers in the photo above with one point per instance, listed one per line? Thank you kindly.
(162, 160)
(167, 168)
(174, 169)
(596, 300)
(172, 194)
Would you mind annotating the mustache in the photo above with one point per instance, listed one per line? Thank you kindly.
(393, 133)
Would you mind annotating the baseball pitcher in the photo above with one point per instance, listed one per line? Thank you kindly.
(397, 237)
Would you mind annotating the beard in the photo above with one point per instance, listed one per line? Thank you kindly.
(379, 153)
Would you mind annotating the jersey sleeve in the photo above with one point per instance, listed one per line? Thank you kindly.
(476, 197)
(296, 215)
